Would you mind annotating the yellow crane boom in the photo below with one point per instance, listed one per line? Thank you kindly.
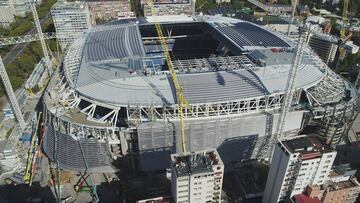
(344, 18)
(31, 152)
(182, 101)
(343, 36)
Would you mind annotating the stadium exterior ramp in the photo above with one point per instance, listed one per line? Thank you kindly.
(113, 97)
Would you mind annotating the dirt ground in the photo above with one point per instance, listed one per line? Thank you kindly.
(3, 100)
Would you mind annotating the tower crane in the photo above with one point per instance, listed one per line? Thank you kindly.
(270, 139)
(4, 76)
(289, 91)
(267, 145)
(343, 36)
(181, 99)
(41, 37)
(11, 95)
(294, 4)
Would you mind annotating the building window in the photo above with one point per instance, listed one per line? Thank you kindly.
(329, 156)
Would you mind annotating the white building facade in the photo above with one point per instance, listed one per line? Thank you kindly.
(296, 163)
(71, 20)
(6, 16)
(197, 177)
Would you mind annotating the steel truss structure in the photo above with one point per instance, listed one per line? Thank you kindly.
(78, 117)
(41, 38)
(213, 64)
(70, 98)
(10, 92)
(3, 74)
(26, 38)
(271, 9)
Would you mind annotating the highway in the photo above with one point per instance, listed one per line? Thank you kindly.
(19, 48)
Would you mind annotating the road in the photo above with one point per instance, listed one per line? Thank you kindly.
(19, 48)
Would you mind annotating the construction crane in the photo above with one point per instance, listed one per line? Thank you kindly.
(289, 91)
(11, 95)
(41, 37)
(343, 36)
(26, 38)
(294, 4)
(270, 139)
(31, 152)
(182, 101)
(5, 78)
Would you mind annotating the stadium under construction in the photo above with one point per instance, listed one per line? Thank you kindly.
(113, 98)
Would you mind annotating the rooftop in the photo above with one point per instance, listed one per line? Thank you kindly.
(333, 186)
(342, 170)
(69, 5)
(195, 162)
(247, 35)
(114, 57)
(306, 145)
(302, 198)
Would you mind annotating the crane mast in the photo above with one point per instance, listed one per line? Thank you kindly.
(343, 37)
(11, 95)
(294, 4)
(4, 76)
(41, 37)
(289, 91)
(344, 18)
(182, 101)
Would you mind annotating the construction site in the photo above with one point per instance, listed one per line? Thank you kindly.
(113, 98)
(129, 94)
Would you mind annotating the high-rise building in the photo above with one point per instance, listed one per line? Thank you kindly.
(296, 163)
(197, 176)
(6, 16)
(71, 20)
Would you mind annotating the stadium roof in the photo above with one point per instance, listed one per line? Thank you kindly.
(247, 35)
(113, 43)
(112, 68)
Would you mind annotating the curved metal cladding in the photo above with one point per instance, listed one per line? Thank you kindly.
(76, 154)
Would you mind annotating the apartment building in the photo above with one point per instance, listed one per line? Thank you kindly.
(110, 9)
(296, 163)
(342, 187)
(6, 16)
(71, 20)
(168, 7)
(197, 176)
